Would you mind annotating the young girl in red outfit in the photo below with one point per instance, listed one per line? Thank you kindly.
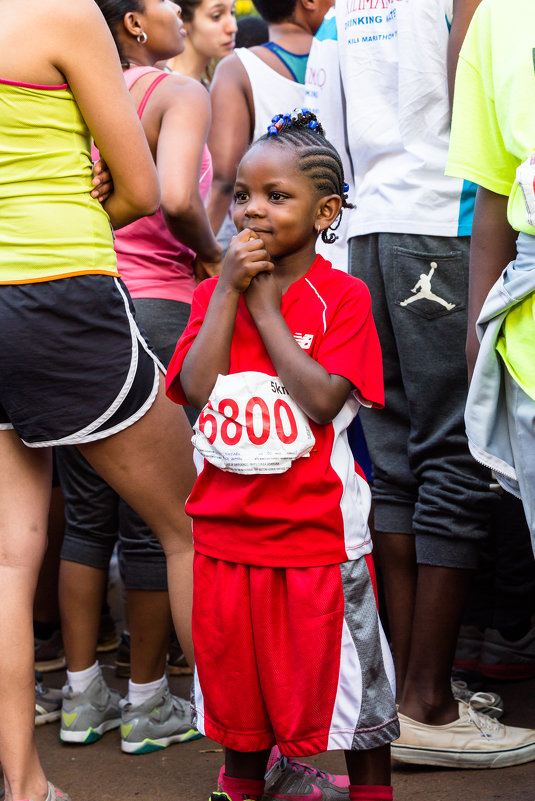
(280, 352)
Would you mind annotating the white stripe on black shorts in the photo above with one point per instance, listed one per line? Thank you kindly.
(74, 365)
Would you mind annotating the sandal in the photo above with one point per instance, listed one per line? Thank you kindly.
(56, 795)
(53, 794)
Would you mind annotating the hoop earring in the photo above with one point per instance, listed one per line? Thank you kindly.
(142, 38)
(336, 224)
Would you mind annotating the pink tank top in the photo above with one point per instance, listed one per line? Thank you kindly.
(152, 263)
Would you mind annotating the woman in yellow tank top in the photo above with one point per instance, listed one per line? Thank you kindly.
(74, 367)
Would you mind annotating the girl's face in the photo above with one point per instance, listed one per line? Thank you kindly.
(213, 28)
(275, 199)
(162, 22)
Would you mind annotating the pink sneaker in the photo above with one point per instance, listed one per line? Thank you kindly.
(295, 781)
(337, 780)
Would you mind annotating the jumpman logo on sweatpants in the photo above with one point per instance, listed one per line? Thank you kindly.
(423, 290)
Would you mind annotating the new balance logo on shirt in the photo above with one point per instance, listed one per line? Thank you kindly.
(304, 340)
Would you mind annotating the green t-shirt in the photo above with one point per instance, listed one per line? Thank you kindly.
(493, 132)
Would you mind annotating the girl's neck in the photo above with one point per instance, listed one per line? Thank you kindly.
(189, 63)
(143, 59)
(290, 35)
(289, 269)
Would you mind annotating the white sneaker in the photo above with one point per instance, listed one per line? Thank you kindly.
(473, 740)
(488, 703)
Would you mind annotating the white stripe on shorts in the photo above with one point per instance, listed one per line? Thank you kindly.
(90, 433)
(364, 712)
(346, 712)
(197, 704)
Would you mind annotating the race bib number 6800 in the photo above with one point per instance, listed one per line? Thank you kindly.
(252, 425)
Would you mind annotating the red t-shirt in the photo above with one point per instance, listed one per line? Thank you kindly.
(316, 513)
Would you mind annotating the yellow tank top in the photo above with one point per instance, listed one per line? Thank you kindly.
(50, 226)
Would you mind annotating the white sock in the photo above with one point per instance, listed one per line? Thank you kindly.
(139, 693)
(79, 680)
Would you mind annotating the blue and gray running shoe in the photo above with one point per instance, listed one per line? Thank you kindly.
(86, 716)
(47, 704)
(160, 721)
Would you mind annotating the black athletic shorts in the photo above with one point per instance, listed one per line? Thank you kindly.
(74, 365)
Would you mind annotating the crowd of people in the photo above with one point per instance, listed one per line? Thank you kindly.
(266, 304)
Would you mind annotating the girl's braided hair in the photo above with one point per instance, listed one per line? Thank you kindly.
(316, 156)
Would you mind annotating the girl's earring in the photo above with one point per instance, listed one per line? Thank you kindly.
(142, 37)
(318, 228)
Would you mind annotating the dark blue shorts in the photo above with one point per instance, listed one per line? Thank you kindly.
(74, 365)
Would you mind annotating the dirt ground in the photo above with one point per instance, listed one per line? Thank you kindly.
(188, 772)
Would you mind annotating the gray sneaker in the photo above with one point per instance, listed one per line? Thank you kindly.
(86, 716)
(162, 720)
(301, 782)
(502, 659)
(47, 704)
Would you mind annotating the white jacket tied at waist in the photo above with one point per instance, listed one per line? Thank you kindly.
(486, 416)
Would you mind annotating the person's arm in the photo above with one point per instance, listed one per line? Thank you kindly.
(209, 354)
(230, 133)
(493, 246)
(183, 131)
(320, 394)
(463, 11)
(91, 66)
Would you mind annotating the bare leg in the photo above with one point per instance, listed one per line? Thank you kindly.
(46, 606)
(440, 599)
(369, 767)
(81, 592)
(250, 765)
(399, 570)
(149, 621)
(25, 477)
(425, 604)
(150, 465)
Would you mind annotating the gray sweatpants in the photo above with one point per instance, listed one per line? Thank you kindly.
(425, 480)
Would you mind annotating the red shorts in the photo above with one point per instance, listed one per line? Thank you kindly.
(292, 656)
